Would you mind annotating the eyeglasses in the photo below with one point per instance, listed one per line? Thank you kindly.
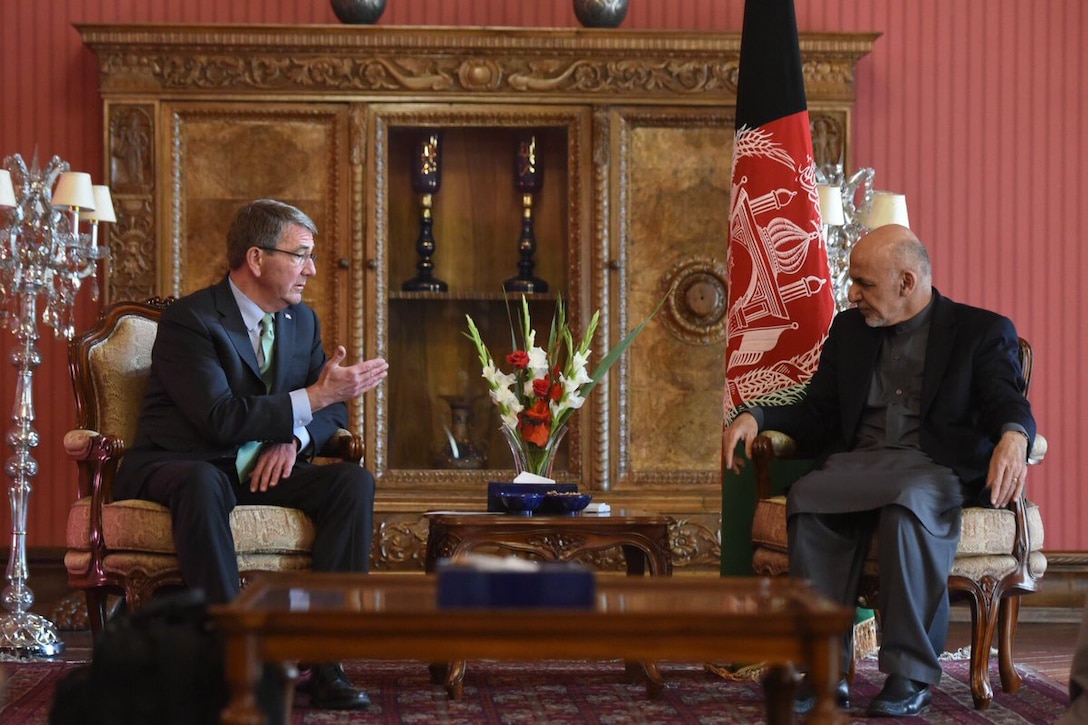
(300, 257)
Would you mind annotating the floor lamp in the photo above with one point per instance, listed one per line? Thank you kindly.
(43, 257)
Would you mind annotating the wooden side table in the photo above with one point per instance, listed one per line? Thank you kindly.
(644, 538)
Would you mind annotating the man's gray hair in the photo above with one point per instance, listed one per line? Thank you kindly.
(262, 223)
(911, 254)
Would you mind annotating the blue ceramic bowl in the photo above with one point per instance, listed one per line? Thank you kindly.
(568, 503)
(522, 503)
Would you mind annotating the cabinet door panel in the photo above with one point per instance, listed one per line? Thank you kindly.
(673, 218)
(223, 155)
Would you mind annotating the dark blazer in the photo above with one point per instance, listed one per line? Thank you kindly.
(206, 396)
(972, 385)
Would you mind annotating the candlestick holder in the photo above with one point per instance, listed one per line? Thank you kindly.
(528, 178)
(426, 181)
(42, 255)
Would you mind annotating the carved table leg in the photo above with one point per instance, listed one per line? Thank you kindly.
(779, 686)
(455, 680)
(243, 670)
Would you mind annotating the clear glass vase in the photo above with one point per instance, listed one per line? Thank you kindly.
(531, 458)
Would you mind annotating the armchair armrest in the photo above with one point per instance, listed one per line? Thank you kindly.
(781, 445)
(767, 446)
(344, 445)
(96, 457)
(77, 443)
(1038, 450)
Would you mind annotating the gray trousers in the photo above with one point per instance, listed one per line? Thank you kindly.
(829, 549)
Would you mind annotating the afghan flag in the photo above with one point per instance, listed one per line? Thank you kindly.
(780, 297)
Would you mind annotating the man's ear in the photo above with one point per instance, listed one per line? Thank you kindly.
(908, 281)
(253, 261)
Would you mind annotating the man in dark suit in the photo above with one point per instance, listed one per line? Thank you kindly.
(916, 408)
(241, 397)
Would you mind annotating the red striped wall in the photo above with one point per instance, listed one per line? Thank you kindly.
(975, 109)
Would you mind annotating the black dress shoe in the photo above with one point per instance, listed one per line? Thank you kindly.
(806, 698)
(901, 697)
(330, 689)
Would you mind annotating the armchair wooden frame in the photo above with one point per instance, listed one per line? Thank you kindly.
(110, 367)
(993, 598)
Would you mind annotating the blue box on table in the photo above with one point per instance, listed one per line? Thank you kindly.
(547, 585)
(495, 490)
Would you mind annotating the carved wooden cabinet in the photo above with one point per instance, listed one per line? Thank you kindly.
(634, 130)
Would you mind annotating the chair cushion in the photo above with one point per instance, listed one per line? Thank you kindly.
(769, 524)
(985, 534)
(142, 526)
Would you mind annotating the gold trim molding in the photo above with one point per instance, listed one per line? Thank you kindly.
(390, 60)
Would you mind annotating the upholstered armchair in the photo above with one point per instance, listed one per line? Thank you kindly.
(126, 547)
(999, 557)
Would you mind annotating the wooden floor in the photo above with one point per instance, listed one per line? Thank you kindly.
(1045, 647)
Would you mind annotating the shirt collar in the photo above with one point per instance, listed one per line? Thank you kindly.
(908, 326)
(251, 312)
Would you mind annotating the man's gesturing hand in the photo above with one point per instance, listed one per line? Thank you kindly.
(343, 382)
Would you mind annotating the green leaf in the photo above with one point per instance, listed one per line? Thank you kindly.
(615, 353)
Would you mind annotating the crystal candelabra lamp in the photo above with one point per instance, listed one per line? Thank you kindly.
(850, 208)
(43, 257)
(426, 181)
(528, 178)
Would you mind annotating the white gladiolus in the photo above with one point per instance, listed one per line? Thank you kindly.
(579, 375)
(497, 379)
(538, 363)
(506, 399)
(570, 401)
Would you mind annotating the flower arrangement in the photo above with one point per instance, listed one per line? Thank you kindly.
(546, 384)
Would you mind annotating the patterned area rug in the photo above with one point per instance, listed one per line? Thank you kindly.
(577, 693)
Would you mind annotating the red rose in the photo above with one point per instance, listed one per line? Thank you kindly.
(541, 387)
(556, 392)
(519, 359)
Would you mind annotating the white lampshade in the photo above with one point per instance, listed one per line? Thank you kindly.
(103, 206)
(831, 205)
(7, 191)
(74, 191)
(887, 208)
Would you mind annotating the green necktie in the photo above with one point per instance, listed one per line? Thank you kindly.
(268, 336)
(247, 452)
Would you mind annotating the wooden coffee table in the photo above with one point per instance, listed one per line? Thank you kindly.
(319, 617)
